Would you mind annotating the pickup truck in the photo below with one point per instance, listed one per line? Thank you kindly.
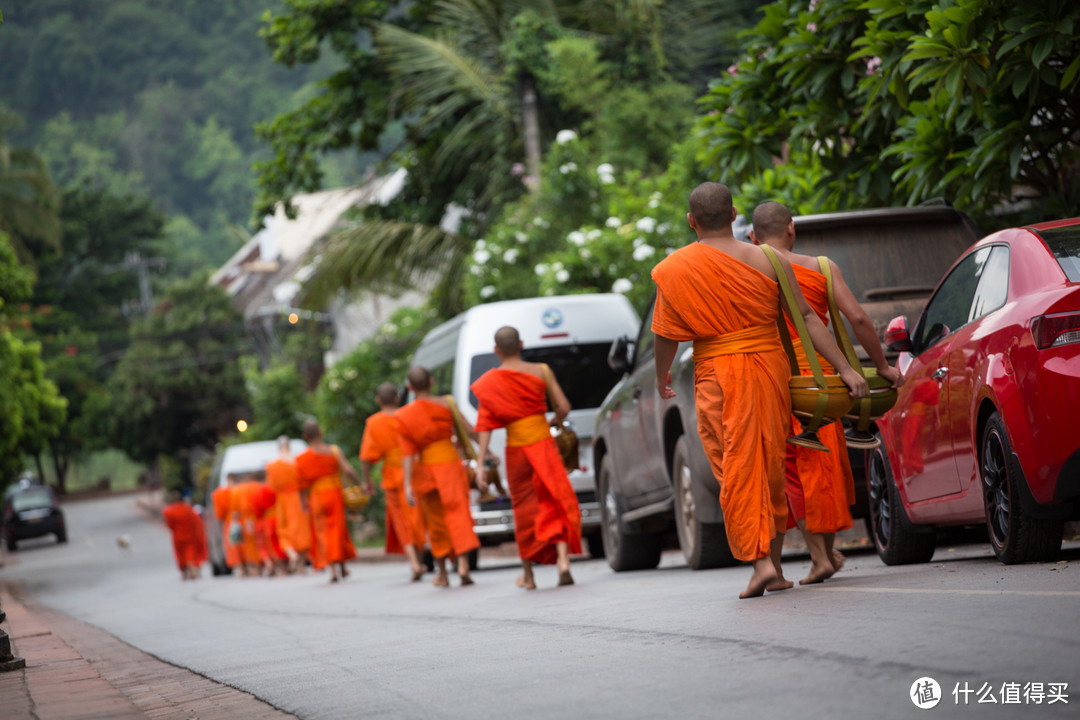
(653, 480)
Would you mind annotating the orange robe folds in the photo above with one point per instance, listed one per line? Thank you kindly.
(741, 372)
(188, 536)
(222, 499)
(545, 507)
(404, 524)
(820, 485)
(248, 505)
(439, 482)
(320, 474)
(293, 522)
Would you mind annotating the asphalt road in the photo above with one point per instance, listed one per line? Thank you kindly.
(656, 644)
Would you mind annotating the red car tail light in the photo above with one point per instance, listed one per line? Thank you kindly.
(1056, 330)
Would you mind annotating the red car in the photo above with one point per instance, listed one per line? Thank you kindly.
(986, 428)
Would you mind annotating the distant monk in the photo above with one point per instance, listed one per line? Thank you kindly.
(320, 468)
(222, 500)
(723, 295)
(547, 520)
(293, 521)
(820, 485)
(248, 506)
(188, 535)
(434, 476)
(404, 524)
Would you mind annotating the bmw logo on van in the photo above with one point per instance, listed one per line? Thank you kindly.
(552, 318)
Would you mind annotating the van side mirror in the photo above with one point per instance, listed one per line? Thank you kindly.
(897, 338)
(618, 358)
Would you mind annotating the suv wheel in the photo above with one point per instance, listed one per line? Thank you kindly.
(895, 544)
(704, 545)
(623, 551)
(1015, 536)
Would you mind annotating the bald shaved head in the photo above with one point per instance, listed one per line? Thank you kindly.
(310, 430)
(419, 378)
(508, 341)
(771, 220)
(710, 204)
(387, 394)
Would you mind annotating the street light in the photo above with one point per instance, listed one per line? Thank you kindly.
(241, 425)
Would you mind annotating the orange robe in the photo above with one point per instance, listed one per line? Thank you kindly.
(248, 506)
(545, 507)
(320, 474)
(293, 522)
(404, 524)
(222, 501)
(741, 373)
(820, 485)
(188, 536)
(440, 483)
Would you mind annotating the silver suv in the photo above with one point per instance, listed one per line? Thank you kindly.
(653, 476)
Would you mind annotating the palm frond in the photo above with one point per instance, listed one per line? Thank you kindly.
(383, 255)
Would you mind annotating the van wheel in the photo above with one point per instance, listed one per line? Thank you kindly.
(704, 545)
(895, 544)
(623, 551)
(1015, 536)
(219, 569)
(595, 542)
(61, 536)
(12, 544)
(473, 557)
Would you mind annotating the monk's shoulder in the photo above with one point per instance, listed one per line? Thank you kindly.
(676, 262)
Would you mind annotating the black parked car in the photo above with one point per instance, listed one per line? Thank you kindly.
(32, 511)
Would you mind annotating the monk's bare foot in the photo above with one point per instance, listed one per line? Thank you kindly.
(780, 583)
(565, 578)
(818, 573)
(417, 574)
(838, 560)
(344, 571)
(467, 580)
(441, 581)
(758, 581)
(524, 584)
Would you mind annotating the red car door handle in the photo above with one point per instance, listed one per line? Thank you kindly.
(940, 373)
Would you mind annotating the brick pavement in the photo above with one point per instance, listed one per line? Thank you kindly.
(77, 672)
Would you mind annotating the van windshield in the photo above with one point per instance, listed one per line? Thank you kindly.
(582, 371)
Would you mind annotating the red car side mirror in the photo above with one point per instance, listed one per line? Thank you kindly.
(896, 335)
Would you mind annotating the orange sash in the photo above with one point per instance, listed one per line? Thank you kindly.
(527, 430)
(758, 338)
(439, 452)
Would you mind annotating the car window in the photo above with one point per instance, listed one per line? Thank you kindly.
(950, 307)
(1064, 243)
(30, 499)
(993, 287)
(643, 349)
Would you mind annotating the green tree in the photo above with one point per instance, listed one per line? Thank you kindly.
(179, 384)
(31, 409)
(278, 402)
(82, 305)
(900, 102)
(29, 202)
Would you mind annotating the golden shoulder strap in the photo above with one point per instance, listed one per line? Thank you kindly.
(839, 329)
(461, 428)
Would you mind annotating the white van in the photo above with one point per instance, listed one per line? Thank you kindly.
(245, 459)
(570, 333)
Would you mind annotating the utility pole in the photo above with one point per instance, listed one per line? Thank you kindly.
(135, 261)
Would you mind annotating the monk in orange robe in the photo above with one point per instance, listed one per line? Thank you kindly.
(547, 520)
(293, 523)
(820, 485)
(320, 468)
(723, 295)
(434, 477)
(404, 525)
(188, 535)
(222, 499)
(247, 507)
